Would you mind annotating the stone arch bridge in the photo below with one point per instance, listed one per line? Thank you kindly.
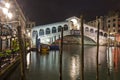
(49, 33)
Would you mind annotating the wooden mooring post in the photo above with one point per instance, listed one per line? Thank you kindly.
(22, 52)
(61, 52)
(82, 48)
(97, 55)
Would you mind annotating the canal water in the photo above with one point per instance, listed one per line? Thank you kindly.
(46, 66)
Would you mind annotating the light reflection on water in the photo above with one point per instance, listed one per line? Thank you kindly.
(46, 66)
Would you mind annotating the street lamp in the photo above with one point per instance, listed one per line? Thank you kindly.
(7, 5)
(6, 10)
(8, 15)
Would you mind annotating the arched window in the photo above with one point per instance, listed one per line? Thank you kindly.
(54, 30)
(47, 30)
(65, 27)
(101, 33)
(96, 31)
(59, 28)
(41, 32)
(86, 29)
(34, 33)
(91, 30)
(105, 35)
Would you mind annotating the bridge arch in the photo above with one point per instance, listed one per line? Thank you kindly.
(86, 29)
(59, 28)
(105, 34)
(54, 30)
(48, 31)
(34, 33)
(91, 30)
(41, 32)
(65, 27)
(101, 33)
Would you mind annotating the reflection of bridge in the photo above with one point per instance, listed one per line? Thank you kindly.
(51, 32)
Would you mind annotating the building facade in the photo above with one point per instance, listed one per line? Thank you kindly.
(113, 24)
(101, 20)
(110, 24)
(8, 26)
(29, 26)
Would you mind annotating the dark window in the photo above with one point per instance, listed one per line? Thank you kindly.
(114, 19)
(59, 28)
(91, 30)
(47, 30)
(29, 25)
(33, 25)
(113, 30)
(119, 25)
(105, 35)
(118, 19)
(108, 25)
(41, 32)
(118, 31)
(96, 31)
(86, 29)
(54, 30)
(34, 33)
(114, 25)
(65, 27)
(101, 33)
(109, 21)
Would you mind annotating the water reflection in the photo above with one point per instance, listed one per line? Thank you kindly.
(110, 58)
(74, 68)
(116, 52)
(46, 66)
(28, 60)
(113, 61)
(113, 58)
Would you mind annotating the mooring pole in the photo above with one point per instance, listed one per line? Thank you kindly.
(97, 56)
(22, 52)
(108, 56)
(82, 49)
(61, 51)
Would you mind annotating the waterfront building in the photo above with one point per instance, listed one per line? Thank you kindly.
(29, 26)
(101, 20)
(9, 21)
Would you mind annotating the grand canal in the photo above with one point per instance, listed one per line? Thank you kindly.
(46, 66)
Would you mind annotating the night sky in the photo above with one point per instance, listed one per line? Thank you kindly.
(50, 11)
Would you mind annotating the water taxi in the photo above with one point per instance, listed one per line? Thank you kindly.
(44, 48)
